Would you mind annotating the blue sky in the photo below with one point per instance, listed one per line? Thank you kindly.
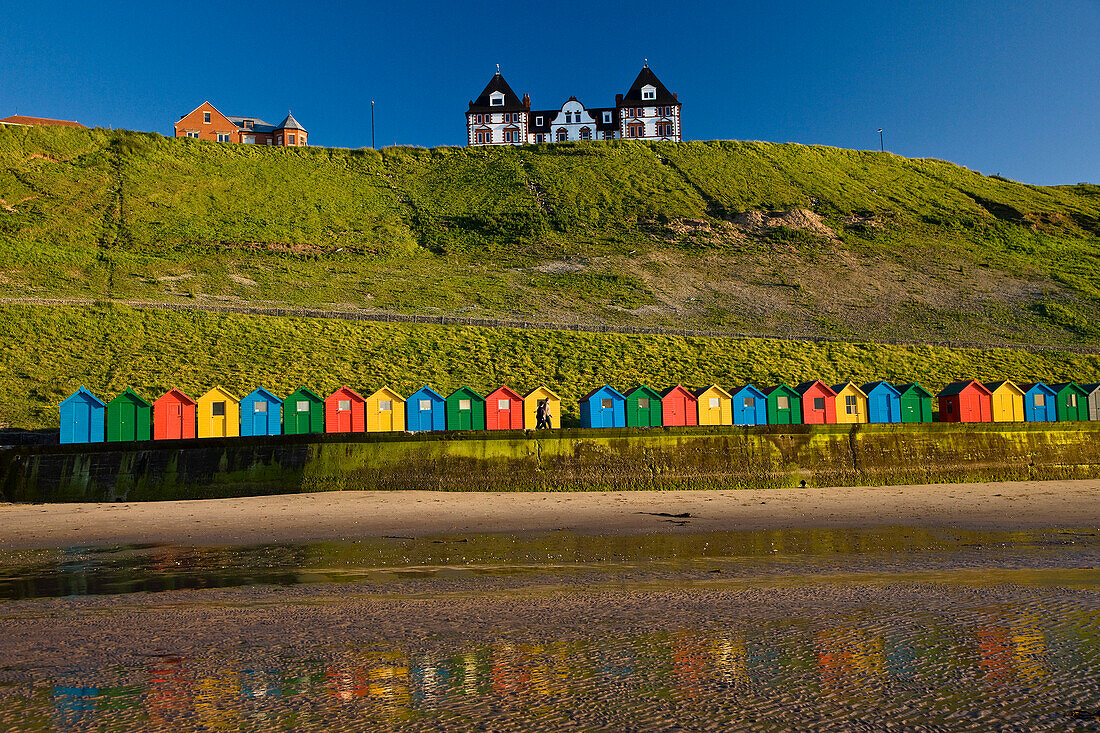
(1000, 86)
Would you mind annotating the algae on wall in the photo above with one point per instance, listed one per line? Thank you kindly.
(570, 460)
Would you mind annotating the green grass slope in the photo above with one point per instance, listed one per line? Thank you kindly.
(685, 235)
(47, 353)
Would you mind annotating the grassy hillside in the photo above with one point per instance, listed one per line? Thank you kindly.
(46, 353)
(685, 235)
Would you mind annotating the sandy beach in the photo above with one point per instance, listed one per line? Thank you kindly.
(352, 515)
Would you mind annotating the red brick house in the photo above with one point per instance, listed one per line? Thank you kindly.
(205, 122)
(24, 121)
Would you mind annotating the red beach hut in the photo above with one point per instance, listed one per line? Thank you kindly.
(174, 416)
(679, 407)
(967, 401)
(503, 410)
(818, 403)
(345, 412)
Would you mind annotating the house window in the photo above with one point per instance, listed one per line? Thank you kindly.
(586, 134)
(664, 129)
(1040, 400)
(636, 130)
(538, 121)
(344, 405)
(193, 134)
(850, 404)
(504, 404)
(481, 137)
(223, 137)
(218, 409)
(279, 139)
(302, 140)
(750, 402)
(605, 404)
(290, 139)
(385, 405)
(425, 405)
(206, 118)
(303, 405)
(783, 402)
(464, 404)
(261, 407)
(569, 118)
(714, 403)
(819, 403)
(562, 136)
(608, 135)
(540, 138)
(643, 403)
(607, 118)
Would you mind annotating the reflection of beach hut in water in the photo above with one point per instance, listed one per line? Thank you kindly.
(851, 404)
(784, 405)
(643, 408)
(750, 406)
(344, 412)
(129, 418)
(1040, 402)
(603, 407)
(915, 401)
(465, 410)
(385, 410)
(1093, 400)
(965, 401)
(173, 416)
(261, 413)
(1072, 401)
(219, 415)
(425, 410)
(82, 418)
(303, 413)
(1006, 401)
(531, 402)
(715, 406)
(679, 407)
(503, 409)
(883, 402)
(818, 403)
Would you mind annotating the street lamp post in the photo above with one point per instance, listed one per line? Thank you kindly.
(372, 124)
(881, 145)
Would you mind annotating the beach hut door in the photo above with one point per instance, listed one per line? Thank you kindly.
(175, 421)
(504, 413)
(81, 421)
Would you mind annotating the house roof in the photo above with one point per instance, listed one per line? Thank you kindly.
(289, 123)
(958, 387)
(646, 77)
(258, 125)
(512, 103)
(25, 120)
(607, 387)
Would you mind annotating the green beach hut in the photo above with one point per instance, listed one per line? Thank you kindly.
(784, 405)
(303, 413)
(916, 403)
(465, 410)
(129, 418)
(643, 408)
(1072, 401)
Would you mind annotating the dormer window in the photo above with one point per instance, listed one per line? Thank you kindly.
(649, 92)
(496, 99)
(248, 124)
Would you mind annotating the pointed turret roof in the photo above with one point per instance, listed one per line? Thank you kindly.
(289, 123)
(646, 77)
(512, 103)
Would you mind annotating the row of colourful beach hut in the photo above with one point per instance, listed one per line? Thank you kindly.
(174, 416)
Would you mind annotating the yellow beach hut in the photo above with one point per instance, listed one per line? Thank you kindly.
(1008, 401)
(851, 403)
(385, 411)
(531, 405)
(715, 406)
(219, 415)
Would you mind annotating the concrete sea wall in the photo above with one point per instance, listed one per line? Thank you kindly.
(657, 458)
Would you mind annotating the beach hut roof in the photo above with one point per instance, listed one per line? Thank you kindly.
(601, 389)
(903, 388)
(428, 390)
(261, 392)
(129, 393)
(790, 390)
(83, 394)
(994, 386)
(508, 391)
(464, 390)
(1041, 386)
(959, 387)
(872, 386)
(546, 390)
(704, 390)
(306, 392)
(348, 391)
(747, 388)
(1091, 387)
(838, 388)
(670, 390)
(219, 392)
(387, 391)
(175, 394)
(805, 387)
(648, 390)
(1063, 386)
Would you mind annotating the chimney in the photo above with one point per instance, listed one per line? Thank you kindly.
(527, 101)
(675, 97)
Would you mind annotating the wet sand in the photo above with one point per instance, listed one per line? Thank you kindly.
(364, 514)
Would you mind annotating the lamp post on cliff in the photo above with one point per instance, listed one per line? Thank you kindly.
(372, 124)
(881, 145)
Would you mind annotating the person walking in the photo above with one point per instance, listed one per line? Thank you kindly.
(542, 415)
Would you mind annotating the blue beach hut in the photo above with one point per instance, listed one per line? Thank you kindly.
(82, 418)
(603, 407)
(883, 402)
(750, 406)
(425, 409)
(1040, 402)
(261, 414)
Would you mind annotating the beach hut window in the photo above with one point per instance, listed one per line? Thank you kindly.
(344, 405)
(261, 407)
(850, 404)
(385, 405)
(605, 404)
(819, 403)
(1071, 400)
(750, 402)
(303, 405)
(503, 404)
(218, 409)
(783, 402)
(425, 404)
(713, 403)
(643, 403)
(1040, 400)
(464, 404)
